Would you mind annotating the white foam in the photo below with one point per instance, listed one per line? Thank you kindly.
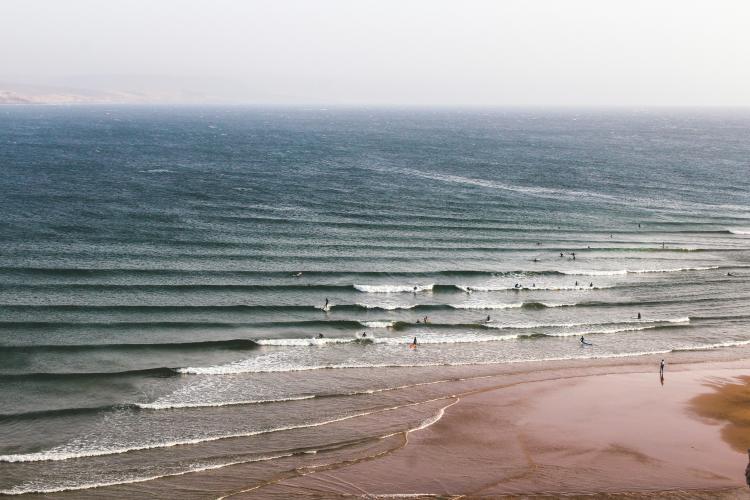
(718, 345)
(473, 288)
(388, 307)
(156, 171)
(304, 341)
(29, 487)
(394, 288)
(60, 453)
(221, 370)
(377, 324)
(526, 326)
(739, 231)
(589, 272)
(168, 405)
(601, 331)
(487, 306)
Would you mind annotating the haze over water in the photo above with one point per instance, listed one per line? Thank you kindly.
(163, 271)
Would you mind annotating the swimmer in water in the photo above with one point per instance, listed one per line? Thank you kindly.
(415, 342)
(320, 335)
(591, 285)
(364, 334)
(425, 319)
(561, 254)
(576, 283)
(488, 318)
(639, 315)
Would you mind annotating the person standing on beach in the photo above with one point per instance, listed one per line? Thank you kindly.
(661, 368)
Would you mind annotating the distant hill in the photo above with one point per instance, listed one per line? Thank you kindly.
(31, 94)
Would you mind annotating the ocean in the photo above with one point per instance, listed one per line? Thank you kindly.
(164, 273)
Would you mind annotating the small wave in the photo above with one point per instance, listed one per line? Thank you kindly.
(487, 306)
(473, 288)
(377, 324)
(60, 453)
(718, 345)
(168, 405)
(162, 372)
(601, 331)
(311, 341)
(394, 288)
(740, 231)
(588, 272)
(528, 326)
(223, 370)
(233, 344)
(156, 171)
(387, 307)
(68, 486)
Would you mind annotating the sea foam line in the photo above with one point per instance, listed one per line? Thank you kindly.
(51, 455)
(156, 405)
(394, 288)
(589, 272)
(30, 488)
(222, 370)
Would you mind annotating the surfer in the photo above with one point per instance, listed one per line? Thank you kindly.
(414, 344)
(415, 289)
(424, 321)
(561, 254)
(488, 318)
(584, 342)
(297, 275)
(364, 334)
(639, 315)
(574, 255)
(320, 335)
(591, 285)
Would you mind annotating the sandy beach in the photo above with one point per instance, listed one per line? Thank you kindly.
(610, 434)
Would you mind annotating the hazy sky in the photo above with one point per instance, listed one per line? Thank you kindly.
(419, 52)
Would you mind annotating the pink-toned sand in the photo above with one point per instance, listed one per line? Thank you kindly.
(579, 435)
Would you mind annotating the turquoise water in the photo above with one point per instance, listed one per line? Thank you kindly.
(164, 272)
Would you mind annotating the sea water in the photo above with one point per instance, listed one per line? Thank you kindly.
(164, 272)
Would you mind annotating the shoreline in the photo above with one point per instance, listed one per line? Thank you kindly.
(490, 400)
(576, 435)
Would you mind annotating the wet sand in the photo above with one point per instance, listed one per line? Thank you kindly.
(614, 434)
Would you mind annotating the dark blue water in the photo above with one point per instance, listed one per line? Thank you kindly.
(164, 272)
